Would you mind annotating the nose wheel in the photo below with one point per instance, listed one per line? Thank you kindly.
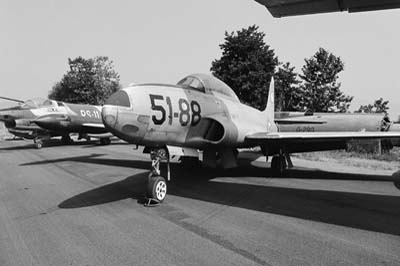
(38, 143)
(156, 190)
(156, 184)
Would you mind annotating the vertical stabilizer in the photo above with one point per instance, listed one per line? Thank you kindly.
(269, 112)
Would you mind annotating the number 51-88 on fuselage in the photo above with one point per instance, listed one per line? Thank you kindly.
(203, 113)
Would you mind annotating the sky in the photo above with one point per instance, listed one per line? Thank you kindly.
(163, 41)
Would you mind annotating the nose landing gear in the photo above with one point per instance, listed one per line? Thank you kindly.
(38, 142)
(156, 184)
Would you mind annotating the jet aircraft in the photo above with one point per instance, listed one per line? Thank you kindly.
(40, 119)
(202, 113)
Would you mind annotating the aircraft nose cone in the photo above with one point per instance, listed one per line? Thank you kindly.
(109, 115)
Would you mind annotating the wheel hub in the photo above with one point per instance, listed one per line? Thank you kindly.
(161, 190)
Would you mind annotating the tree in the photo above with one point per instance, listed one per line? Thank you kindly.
(321, 89)
(246, 65)
(379, 106)
(89, 81)
(288, 95)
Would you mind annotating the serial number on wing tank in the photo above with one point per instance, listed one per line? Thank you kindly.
(90, 113)
(189, 112)
(305, 129)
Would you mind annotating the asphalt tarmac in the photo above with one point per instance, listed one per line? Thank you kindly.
(83, 205)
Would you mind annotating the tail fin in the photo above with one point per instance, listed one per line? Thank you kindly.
(269, 112)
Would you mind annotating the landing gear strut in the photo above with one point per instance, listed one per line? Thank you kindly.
(156, 185)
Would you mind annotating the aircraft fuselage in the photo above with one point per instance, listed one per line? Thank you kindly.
(158, 115)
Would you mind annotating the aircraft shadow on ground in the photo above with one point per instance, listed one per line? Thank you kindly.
(16, 148)
(58, 143)
(245, 169)
(371, 212)
(93, 159)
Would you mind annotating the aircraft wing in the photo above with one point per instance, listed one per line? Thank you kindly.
(284, 8)
(313, 141)
(11, 99)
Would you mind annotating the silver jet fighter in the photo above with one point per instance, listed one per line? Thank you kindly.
(203, 113)
(41, 119)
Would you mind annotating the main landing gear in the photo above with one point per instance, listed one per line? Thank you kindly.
(66, 139)
(280, 162)
(105, 141)
(396, 179)
(156, 188)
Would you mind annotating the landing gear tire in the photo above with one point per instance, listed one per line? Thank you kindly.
(66, 140)
(157, 188)
(278, 165)
(396, 179)
(105, 141)
(38, 143)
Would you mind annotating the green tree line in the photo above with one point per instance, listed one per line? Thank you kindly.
(247, 64)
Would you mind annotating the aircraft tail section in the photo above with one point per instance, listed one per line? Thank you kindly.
(269, 112)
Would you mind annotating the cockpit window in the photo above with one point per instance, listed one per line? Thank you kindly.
(60, 103)
(36, 103)
(120, 98)
(47, 103)
(209, 84)
(193, 83)
(29, 104)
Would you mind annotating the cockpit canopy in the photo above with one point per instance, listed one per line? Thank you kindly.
(208, 84)
(38, 103)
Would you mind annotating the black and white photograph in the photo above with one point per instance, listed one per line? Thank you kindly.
(230, 132)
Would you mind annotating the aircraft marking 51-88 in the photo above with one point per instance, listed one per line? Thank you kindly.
(189, 113)
(203, 113)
